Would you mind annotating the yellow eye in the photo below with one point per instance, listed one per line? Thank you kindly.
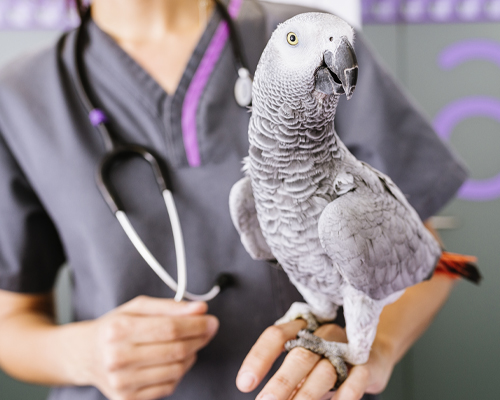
(292, 39)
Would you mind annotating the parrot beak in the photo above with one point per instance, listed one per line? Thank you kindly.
(339, 73)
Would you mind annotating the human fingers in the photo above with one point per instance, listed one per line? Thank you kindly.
(298, 376)
(332, 332)
(145, 305)
(133, 379)
(319, 381)
(355, 385)
(115, 351)
(296, 366)
(371, 377)
(264, 353)
(145, 355)
(156, 392)
(119, 328)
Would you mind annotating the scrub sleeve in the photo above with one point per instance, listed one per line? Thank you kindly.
(30, 249)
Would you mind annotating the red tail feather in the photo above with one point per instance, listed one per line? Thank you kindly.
(458, 266)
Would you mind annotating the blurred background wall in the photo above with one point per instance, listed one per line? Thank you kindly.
(446, 53)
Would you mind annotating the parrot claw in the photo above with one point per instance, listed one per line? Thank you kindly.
(300, 311)
(331, 350)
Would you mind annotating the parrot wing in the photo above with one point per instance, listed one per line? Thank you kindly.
(376, 239)
(244, 217)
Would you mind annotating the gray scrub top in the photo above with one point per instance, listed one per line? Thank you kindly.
(51, 210)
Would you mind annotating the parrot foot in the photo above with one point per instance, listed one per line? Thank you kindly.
(333, 351)
(303, 311)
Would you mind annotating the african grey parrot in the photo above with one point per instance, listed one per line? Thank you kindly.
(342, 231)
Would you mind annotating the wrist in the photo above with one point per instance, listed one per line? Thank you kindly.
(384, 347)
(380, 364)
(77, 352)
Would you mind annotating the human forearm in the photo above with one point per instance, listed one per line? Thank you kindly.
(34, 349)
(140, 350)
(402, 322)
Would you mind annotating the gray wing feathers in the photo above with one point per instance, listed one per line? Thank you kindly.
(244, 217)
(379, 245)
(390, 188)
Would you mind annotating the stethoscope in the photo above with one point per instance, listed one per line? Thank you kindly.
(117, 151)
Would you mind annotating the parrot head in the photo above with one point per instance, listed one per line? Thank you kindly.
(311, 53)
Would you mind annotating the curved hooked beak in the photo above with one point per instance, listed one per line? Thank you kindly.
(339, 72)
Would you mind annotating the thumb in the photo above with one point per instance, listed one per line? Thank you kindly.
(145, 305)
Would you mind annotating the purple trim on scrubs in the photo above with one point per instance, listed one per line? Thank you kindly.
(200, 80)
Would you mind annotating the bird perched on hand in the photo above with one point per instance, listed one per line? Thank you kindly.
(341, 230)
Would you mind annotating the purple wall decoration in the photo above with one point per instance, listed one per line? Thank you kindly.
(430, 11)
(468, 50)
(37, 14)
(56, 14)
(473, 106)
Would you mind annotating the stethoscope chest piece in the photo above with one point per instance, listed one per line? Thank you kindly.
(243, 88)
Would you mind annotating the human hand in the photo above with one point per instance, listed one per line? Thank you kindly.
(305, 375)
(142, 349)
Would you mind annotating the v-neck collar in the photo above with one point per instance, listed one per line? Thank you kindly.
(176, 113)
(132, 75)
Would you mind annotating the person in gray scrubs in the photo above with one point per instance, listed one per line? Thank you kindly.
(165, 80)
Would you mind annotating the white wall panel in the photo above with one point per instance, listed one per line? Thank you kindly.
(350, 10)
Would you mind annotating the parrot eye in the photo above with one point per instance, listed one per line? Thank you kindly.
(292, 39)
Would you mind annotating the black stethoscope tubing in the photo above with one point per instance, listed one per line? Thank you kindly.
(234, 36)
(117, 151)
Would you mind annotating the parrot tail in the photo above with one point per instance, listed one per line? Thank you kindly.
(458, 266)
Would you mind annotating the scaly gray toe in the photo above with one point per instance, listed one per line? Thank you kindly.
(312, 322)
(341, 368)
(307, 340)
